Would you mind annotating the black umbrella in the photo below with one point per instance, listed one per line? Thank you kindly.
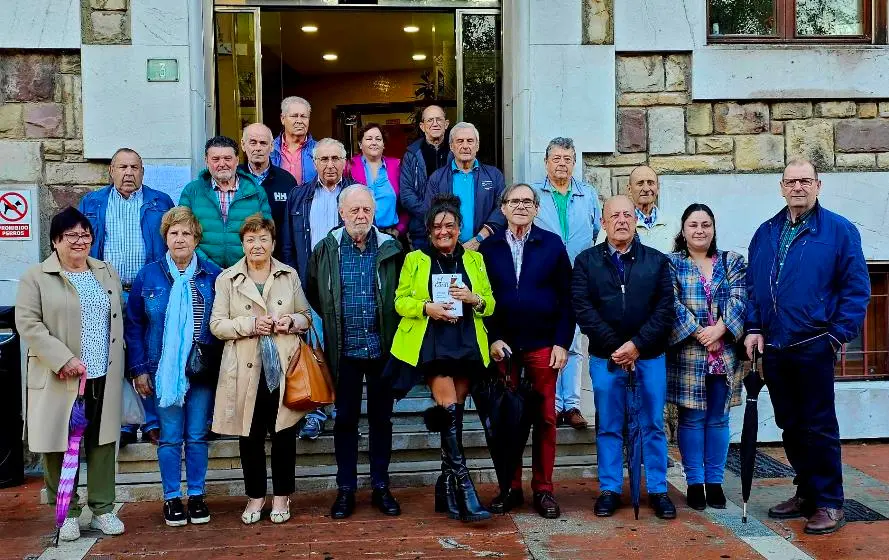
(507, 412)
(634, 440)
(754, 384)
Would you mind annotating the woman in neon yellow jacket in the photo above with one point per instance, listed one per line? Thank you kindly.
(443, 294)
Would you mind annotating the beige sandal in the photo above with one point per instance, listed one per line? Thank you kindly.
(251, 517)
(281, 516)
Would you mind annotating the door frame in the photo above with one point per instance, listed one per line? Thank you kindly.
(257, 57)
(458, 48)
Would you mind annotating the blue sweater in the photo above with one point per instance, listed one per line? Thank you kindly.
(535, 311)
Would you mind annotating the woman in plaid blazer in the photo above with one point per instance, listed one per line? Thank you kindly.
(703, 377)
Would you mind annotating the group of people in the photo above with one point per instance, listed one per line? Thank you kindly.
(140, 291)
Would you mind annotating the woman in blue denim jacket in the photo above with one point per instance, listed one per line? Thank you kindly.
(167, 312)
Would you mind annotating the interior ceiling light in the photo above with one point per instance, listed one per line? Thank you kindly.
(411, 29)
(329, 56)
(310, 28)
(419, 56)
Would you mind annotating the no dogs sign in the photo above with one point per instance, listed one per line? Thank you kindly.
(15, 215)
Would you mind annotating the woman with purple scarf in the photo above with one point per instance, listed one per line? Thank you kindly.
(703, 377)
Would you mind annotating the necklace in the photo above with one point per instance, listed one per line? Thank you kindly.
(441, 270)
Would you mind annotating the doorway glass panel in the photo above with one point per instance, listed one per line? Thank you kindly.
(481, 50)
(238, 83)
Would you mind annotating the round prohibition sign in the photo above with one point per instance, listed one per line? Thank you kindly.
(13, 206)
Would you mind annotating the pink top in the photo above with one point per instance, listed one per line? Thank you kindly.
(355, 168)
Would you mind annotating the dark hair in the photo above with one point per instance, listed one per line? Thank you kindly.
(370, 126)
(680, 244)
(447, 203)
(220, 142)
(67, 219)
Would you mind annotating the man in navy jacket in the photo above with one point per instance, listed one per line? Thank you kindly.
(477, 185)
(530, 276)
(808, 290)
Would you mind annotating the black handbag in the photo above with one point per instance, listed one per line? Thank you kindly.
(203, 363)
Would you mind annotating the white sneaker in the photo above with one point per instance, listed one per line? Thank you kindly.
(108, 523)
(70, 530)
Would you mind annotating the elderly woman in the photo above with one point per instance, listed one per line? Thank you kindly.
(702, 367)
(167, 324)
(68, 313)
(259, 297)
(441, 337)
(380, 173)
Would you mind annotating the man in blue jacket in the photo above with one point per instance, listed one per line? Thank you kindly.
(808, 290)
(477, 185)
(531, 279)
(126, 219)
(292, 149)
(422, 158)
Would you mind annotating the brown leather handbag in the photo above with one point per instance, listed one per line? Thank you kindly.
(307, 383)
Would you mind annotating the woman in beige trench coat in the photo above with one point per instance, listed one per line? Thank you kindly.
(68, 313)
(258, 296)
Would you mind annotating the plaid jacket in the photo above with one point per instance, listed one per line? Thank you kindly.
(687, 358)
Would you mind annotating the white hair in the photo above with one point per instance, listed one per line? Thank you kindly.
(265, 129)
(461, 125)
(355, 188)
(325, 142)
(288, 101)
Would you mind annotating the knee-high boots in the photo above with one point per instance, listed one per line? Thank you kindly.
(468, 506)
(445, 489)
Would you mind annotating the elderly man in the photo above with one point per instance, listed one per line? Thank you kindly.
(126, 219)
(292, 149)
(808, 290)
(422, 158)
(256, 142)
(477, 185)
(221, 198)
(530, 276)
(623, 299)
(652, 226)
(353, 274)
(570, 209)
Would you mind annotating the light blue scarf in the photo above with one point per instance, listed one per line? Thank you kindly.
(170, 382)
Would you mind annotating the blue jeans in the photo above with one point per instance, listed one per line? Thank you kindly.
(568, 384)
(704, 435)
(610, 395)
(316, 322)
(186, 424)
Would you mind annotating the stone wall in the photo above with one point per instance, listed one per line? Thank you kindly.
(105, 22)
(658, 124)
(41, 130)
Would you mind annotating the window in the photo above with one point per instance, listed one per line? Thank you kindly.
(763, 21)
(867, 357)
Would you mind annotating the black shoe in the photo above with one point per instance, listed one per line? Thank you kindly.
(606, 504)
(198, 512)
(662, 505)
(383, 500)
(695, 497)
(174, 513)
(344, 504)
(546, 505)
(715, 496)
(507, 500)
(127, 438)
(467, 499)
(446, 485)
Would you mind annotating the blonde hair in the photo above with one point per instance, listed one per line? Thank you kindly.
(181, 215)
(257, 222)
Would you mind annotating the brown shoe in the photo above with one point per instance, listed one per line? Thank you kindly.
(546, 505)
(575, 419)
(825, 520)
(789, 509)
(152, 436)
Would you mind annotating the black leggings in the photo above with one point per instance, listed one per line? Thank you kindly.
(252, 448)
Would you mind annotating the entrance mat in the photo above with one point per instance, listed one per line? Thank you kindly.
(856, 511)
(765, 466)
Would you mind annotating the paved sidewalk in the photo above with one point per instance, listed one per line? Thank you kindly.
(25, 527)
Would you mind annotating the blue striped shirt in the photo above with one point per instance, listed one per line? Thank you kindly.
(124, 246)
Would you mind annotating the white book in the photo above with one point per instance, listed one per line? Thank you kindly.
(441, 294)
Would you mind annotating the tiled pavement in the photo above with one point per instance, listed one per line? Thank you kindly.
(420, 533)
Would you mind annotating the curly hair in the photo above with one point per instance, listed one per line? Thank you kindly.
(447, 203)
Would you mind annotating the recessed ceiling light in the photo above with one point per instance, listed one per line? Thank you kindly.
(329, 56)
(411, 29)
(310, 28)
(419, 56)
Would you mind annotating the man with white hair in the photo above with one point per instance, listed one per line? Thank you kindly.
(477, 185)
(353, 274)
(292, 149)
(256, 142)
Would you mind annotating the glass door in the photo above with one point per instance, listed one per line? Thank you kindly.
(238, 70)
(480, 78)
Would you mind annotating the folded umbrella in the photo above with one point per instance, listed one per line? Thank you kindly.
(71, 461)
(634, 440)
(753, 383)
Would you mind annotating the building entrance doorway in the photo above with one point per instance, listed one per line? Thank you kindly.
(359, 65)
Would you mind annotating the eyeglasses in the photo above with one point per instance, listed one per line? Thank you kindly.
(434, 120)
(72, 237)
(324, 160)
(804, 183)
(516, 202)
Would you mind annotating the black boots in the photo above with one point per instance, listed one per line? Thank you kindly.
(468, 507)
(445, 487)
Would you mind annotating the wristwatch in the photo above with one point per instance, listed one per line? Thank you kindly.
(479, 238)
